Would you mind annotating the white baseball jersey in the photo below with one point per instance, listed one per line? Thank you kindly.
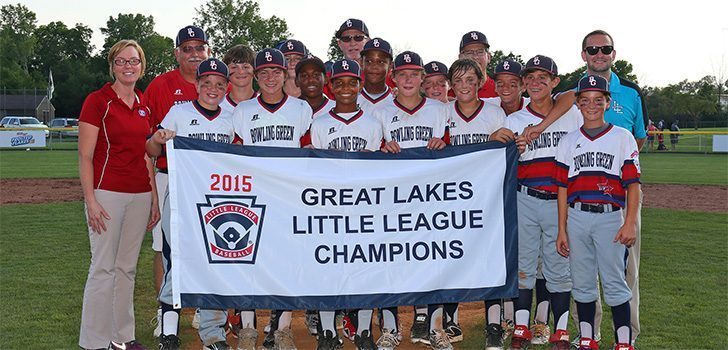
(324, 108)
(415, 127)
(349, 132)
(497, 101)
(285, 126)
(476, 128)
(597, 169)
(367, 102)
(189, 121)
(536, 165)
(228, 103)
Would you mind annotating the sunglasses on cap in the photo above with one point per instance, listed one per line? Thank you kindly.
(592, 50)
(357, 38)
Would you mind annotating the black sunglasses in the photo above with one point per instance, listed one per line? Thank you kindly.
(356, 38)
(592, 50)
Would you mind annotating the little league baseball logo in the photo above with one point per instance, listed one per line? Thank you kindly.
(231, 227)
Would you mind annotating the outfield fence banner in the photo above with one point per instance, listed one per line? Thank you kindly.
(22, 138)
(278, 228)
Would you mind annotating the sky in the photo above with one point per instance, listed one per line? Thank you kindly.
(665, 42)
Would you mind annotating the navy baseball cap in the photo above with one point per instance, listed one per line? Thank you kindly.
(352, 23)
(293, 47)
(509, 66)
(345, 68)
(408, 60)
(328, 64)
(270, 58)
(593, 83)
(311, 59)
(378, 44)
(213, 66)
(540, 62)
(435, 68)
(474, 37)
(190, 33)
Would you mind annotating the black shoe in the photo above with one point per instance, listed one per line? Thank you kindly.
(221, 345)
(269, 341)
(168, 342)
(364, 341)
(419, 333)
(494, 336)
(327, 340)
(454, 332)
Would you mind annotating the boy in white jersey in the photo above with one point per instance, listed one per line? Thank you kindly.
(411, 120)
(294, 51)
(239, 60)
(509, 87)
(376, 60)
(598, 174)
(537, 212)
(408, 121)
(470, 119)
(200, 119)
(310, 78)
(436, 83)
(272, 119)
(348, 128)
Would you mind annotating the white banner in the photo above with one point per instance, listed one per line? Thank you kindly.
(258, 227)
(22, 138)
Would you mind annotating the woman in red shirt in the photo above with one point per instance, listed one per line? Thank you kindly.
(121, 201)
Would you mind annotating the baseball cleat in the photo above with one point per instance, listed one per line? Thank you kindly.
(328, 340)
(454, 332)
(364, 341)
(494, 337)
(541, 333)
(247, 337)
(438, 340)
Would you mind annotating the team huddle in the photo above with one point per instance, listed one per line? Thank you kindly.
(578, 190)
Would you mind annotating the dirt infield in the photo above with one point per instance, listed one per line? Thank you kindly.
(682, 197)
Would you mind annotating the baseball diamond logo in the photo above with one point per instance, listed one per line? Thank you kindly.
(231, 227)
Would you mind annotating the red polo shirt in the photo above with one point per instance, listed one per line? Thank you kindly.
(118, 158)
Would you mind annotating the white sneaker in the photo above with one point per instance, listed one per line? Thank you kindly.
(388, 340)
(156, 322)
(196, 319)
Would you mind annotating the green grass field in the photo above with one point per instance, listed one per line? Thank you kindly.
(689, 142)
(44, 261)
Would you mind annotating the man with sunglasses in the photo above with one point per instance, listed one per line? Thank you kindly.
(166, 90)
(351, 37)
(627, 110)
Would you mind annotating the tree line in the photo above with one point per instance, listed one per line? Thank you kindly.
(31, 51)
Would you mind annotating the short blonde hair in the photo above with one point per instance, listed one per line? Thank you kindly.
(120, 46)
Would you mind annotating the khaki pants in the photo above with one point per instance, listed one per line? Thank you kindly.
(108, 298)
